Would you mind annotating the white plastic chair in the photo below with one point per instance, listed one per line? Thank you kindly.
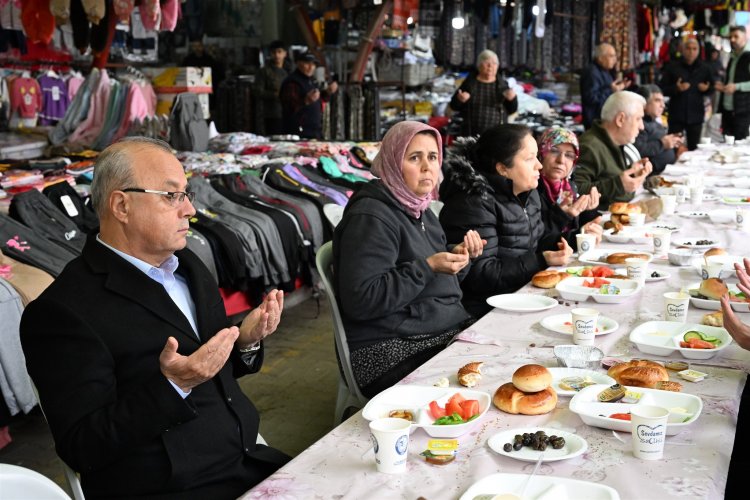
(20, 482)
(349, 395)
(74, 482)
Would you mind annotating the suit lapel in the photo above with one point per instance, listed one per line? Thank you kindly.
(128, 281)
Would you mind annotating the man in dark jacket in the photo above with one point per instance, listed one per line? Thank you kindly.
(301, 99)
(268, 87)
(603, 162)
(597, 83)
(735, 100)
(653, 142)
(687, 81)
(132, 352)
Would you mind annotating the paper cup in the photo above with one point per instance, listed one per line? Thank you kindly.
(742, 219)
(676, 306)
(649, 428)
(662, 237)
(668, 204)
(584, 325)
(681, 191)
(705, 140)
(637, 269)
(390, 440)
(729, 139)
(585, 242)
(711, 268)
(637, 219)
(696, 195)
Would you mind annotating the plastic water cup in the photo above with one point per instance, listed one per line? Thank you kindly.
(696, 195)
(662, 238)
(637, 269)
(390, 440)
(649, 428)
(729, 139)
(742, 219)
(682, 191)
(584, 325)
(585, 242)
(676, 306)
(668, 204)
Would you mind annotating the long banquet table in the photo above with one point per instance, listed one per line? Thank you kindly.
(695, 461)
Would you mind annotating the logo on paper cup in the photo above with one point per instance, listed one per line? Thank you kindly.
(650, 435)
(657, 242)
(704, 273)
(675, 309)
(584, 325)
(401, 444)
(740, 218)
(585, 245)
(374, 443)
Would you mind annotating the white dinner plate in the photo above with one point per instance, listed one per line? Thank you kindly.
(692, 242)
(735, 201)
(715, 305)
(662, 275)
(562, 323)
(628, 235)
(560, 373)
(598, 256)
(662, 338)
(542, 486)
(693, 214)
(574, 445)
(416, 399)
(522, 302)
(663, 225)
(574, 289)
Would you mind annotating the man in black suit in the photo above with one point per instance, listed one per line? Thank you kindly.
(132, 352)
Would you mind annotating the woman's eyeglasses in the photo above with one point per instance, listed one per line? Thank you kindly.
(570, 156)
(174, 198)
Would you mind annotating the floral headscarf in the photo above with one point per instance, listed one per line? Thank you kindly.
(554, 136)
(387, 164)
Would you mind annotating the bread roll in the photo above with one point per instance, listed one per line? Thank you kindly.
(639, 373)
(713, 319)
(619, 257)
(546, 279)
(510, 400)
(714, 251)
(470, 374)
(713, 288)
(532, 378)
(668, 386)
(634, 208)
(618, 207)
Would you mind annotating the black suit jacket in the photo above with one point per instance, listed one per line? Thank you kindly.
(92, 342)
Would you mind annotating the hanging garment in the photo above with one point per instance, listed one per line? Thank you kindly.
(95, 10)
(188, 129)
(69, 202)
(27, 246)
(150, 11)
(123, 9)
(77, 111)
(54, 99)
(60, 10)
(37, 20)
(89, 128)
(33, 209)
(15, 382)
(25, 97)
(170, 12)
(81, 26)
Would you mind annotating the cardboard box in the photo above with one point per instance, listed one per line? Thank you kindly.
(173, 80)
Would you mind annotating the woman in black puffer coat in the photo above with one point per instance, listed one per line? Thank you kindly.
(490, 185)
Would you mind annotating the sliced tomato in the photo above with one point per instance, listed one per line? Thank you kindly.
(457, 397)
(454, 407)
(602, 271)
(598, 282)
(620, 416)
(436, 410)
(587, 273)
(700, 344)
(684, 344)
(470, 408)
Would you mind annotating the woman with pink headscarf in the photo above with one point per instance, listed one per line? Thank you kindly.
(396, 280)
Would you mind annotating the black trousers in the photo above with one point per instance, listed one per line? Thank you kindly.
(740, 462)
(692, 132)
(735, 124)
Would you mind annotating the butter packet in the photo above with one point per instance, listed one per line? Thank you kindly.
(692, 375)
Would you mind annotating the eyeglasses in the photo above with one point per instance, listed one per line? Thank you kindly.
(568, 156)
(174, 198)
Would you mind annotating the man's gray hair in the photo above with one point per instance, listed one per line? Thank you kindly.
(113, 169)
(487, 54)
(599, 49)
(623, 101)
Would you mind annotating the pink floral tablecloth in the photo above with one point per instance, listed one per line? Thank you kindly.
(695, 461)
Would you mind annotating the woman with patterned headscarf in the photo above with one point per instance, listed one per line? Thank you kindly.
(396, 281)
(562, 208)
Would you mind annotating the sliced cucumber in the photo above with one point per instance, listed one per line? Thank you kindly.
(693, 335)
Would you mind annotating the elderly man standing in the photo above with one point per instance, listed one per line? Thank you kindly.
(483, 98)
(687, 81)
(735, 100)
(608, 160)
(598, 83)
(133, 354)
(653, 141)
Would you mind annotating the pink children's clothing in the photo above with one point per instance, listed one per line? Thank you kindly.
(74, 83)
(25, 97)
(170, 12)
(150, 10)
(88, 130)
(123, 9)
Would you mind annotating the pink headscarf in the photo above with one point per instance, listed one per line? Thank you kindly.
(387, 164)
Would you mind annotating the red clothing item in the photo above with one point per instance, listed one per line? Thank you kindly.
(37, 20)
(26, 97)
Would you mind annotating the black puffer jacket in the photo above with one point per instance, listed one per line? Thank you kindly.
(385, 287)
(556, 220)
(512, 226)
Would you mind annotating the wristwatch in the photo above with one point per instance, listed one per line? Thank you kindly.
(253, 348)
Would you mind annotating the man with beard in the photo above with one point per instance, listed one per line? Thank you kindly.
(735, 100)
